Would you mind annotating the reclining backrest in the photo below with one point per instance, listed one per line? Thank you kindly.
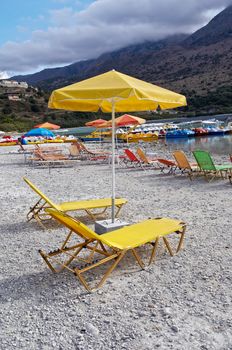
(131, 155)
(142, 156)
(204, 160)
(81, 146)
(45, 198)
(181, 160)
(74, 151)
(73, 224)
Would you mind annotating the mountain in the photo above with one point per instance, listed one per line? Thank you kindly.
(197, 65)
(103, 63)
(218, 29)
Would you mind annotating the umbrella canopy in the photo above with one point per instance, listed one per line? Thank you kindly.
(96, 123)
(126, 93)
(125, 119)
(114, 92)
(49, 126)
(39, 132)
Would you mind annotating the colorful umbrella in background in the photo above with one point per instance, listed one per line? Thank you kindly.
(114, 92)
(39, 132)
(126, 119)
(49, 126)
(97, 123)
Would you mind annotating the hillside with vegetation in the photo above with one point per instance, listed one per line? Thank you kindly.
(31, 109)
(198, 66)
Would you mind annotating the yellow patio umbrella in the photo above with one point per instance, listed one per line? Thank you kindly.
(114, 92)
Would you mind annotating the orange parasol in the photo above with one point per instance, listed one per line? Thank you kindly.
(96, 122)
(49, 126)
(125, 119)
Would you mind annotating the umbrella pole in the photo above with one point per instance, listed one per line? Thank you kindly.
(113, 162)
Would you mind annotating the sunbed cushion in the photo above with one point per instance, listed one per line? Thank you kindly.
(141, 233)
(89, 204)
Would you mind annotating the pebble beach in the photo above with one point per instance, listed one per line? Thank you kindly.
(180, 302)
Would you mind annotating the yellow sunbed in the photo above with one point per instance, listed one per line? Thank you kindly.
(89, 206)
(112, 245)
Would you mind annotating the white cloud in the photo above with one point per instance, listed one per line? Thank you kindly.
(4, 75)
(103, 26)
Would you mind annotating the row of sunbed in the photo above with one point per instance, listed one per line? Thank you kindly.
(204, 164)
(52, 155)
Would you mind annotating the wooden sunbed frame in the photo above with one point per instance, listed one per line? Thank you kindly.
(112, 245)
(88, 206)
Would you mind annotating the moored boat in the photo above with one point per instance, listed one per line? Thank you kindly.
(178, 133)
(135, 137)
(90, 139)
(200, 132)
(215, 131)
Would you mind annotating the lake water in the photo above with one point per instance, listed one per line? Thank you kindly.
(214, 144)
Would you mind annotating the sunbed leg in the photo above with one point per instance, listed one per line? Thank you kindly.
(89, 259)
(93, 217)
(68, 262)
(230, 179)
(155, 245)
(102, 246)
(181, 240)
(168, 246)
(112, 267)
(206, 178)
(66, 240)
(119, 210)
(44, 256)
(137, 257)
(78, 272)
(190, 174)
(82, 280)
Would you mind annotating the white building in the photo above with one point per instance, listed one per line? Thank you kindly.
(13, 84)
(14, 97)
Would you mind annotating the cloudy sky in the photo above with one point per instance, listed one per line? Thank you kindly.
(47, 33)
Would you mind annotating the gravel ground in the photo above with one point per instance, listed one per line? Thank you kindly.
(182, 302)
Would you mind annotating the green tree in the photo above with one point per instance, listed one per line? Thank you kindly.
(7, 109)
(35, 108)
